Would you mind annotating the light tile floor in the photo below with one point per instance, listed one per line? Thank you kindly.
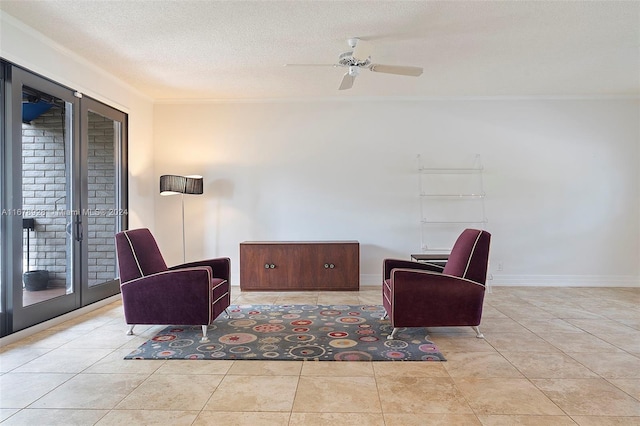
(553, 356)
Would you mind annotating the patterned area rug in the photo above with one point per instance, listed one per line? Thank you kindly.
(294, 332)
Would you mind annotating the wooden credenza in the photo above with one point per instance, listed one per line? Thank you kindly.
(299, 265)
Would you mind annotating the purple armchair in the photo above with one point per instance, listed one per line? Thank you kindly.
(425, 295)
(190, 294)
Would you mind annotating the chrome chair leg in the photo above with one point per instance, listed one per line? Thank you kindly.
(393, 334)
(477, 330)
(204, 339)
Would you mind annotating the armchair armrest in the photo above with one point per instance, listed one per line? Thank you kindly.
(390, 264)
(424, 298)
(169, 297)
(221, 267)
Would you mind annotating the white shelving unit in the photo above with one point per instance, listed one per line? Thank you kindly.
(451, 199)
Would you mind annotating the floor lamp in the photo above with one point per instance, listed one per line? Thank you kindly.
(173, 185)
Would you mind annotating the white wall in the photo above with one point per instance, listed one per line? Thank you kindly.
(29, 49)
(561, 177)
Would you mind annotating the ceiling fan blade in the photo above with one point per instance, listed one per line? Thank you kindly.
(396, 69)
(347, 81)
(362, 50)
(312, 65)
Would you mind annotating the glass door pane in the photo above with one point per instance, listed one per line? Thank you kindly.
(102, 220)
(104, 207)
(46, 214)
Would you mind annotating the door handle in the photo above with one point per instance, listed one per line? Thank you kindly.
(79, 229)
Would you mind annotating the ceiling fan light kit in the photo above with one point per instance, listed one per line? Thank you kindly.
(359, 58)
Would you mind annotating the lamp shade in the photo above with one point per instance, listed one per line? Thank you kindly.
(172, 184)
(194, 185)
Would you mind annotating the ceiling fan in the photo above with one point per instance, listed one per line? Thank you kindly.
(359, 57)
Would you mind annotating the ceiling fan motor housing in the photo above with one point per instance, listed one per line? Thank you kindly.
(346, 59)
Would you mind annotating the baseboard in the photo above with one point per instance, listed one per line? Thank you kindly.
(503, 280)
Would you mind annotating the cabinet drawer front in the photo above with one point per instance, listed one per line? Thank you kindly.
(267, 267)
(332, 266)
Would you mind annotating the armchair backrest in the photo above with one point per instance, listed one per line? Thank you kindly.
(469, 256)
(138, 254)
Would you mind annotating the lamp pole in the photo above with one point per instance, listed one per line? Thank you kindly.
(184, 246)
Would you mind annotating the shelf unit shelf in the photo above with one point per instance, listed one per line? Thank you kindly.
(449, 171)
(453, 195)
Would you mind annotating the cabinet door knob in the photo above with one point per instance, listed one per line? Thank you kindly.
(266, 266)
(331, 265)
(326, 266)
(272, 266)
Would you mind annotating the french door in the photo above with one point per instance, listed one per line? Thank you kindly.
(63, 199)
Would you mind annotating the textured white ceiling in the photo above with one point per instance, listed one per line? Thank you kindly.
(236, 49)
